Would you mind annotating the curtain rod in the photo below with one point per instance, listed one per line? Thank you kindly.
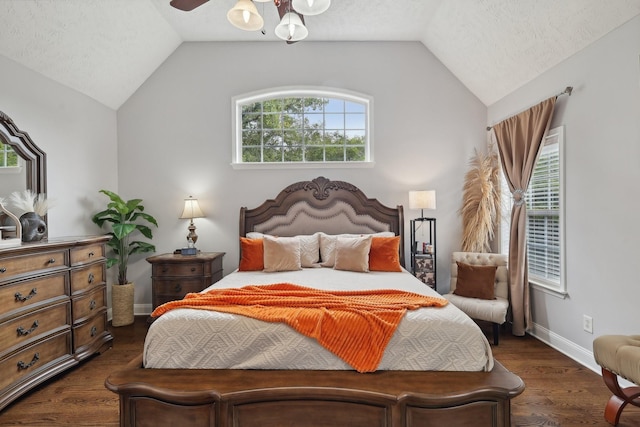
(567, 91)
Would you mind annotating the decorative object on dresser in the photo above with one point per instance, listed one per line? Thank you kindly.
(173, 275)
(34, 207)
(53, 311)
(423, 256)
(124, 218)
(10, 235)
(190, 211)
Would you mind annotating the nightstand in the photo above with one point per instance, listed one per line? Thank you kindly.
(423, 260)
(175, 275)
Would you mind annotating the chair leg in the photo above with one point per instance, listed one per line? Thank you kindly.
(496, 333)
(621, 397)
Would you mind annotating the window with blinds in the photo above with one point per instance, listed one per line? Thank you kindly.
(544, 215)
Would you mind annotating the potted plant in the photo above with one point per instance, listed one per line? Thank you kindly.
(125, 218)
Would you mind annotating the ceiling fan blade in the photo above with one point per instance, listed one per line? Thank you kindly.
(187, 5)
(284, 7)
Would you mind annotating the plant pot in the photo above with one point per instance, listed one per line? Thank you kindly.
(122, 304)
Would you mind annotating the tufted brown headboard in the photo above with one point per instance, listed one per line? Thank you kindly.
(334, 207)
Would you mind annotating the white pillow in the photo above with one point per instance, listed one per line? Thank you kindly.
(328, 245)
(281, 253)
(309, 248)
(352, 253)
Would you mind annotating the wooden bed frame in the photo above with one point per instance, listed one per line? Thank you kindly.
(270, 398)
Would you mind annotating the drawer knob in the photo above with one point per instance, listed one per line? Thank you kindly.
(22, 365)
(178, 287)
(165, 269)
(91, 254)
(193, 269)
(91, 278)
(3, 270)
(20, 298)
(92, 304)
(52, 261)
(22, 331)
(94, 331)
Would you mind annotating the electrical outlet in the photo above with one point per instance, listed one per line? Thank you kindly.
(587, 324)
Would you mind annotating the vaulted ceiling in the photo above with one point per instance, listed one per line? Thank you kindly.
(107, 48)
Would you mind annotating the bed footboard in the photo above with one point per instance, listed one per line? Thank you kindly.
(247, 398)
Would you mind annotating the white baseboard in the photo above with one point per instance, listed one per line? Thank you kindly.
(138, 310)
(570, 349)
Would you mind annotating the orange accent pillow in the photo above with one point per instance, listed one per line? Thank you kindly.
(476, 281)
(383, 255)
(251, 255)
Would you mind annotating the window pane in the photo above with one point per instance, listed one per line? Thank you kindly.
(302, 129)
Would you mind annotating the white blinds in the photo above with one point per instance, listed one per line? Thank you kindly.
(543, 215)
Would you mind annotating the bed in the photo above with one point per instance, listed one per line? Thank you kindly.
(222, 369)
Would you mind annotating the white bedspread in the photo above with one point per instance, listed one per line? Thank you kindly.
(440, 339)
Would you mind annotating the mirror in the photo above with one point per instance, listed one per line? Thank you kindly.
(30, 173)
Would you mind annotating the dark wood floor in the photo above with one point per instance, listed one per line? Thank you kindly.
(559, 391)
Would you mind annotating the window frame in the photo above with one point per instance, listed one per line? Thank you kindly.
(559, 288)
(4, 169)
(239, 101)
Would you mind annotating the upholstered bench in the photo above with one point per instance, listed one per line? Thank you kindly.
(619, 355)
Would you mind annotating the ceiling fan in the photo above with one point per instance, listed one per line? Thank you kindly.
(244, 15)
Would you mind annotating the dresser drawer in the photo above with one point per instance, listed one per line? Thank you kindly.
(85, 254)
(33, 359)
(12, 267)
(29, 294)
(182, 270)
(34, 325)
(87, 305)
(94, 328)
(83, 279)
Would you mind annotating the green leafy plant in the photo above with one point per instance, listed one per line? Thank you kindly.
(125, 217)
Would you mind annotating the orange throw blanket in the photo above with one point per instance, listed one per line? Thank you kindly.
(354, 325)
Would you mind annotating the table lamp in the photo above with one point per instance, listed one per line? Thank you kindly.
(422, 199)
(191, 210)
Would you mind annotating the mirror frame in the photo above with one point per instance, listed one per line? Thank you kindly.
(35, 160)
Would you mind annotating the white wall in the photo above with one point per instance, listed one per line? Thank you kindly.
(602, 165)
(78, 136)
(174, 136)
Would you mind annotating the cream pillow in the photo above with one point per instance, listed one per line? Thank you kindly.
(352, 253)
(328, 245)
(309, 248)
(281, 253)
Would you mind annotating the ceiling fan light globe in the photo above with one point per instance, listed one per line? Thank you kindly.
(291, 28)
(245, 16)
(310, 7)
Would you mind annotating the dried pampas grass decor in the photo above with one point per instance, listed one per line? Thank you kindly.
(480, 201)
(28, 201)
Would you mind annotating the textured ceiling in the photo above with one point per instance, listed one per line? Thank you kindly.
(107, 48)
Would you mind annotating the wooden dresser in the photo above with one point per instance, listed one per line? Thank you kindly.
(175, 275)
(53, 310)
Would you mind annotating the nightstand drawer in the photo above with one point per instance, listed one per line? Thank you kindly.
(85, 254)
(177, 288)
(86, 278)
(35, 324)
(33, 293)
(87, 305)
(15, 266)
(182, 270)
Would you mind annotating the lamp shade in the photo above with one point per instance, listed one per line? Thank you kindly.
(311, 7)
(291, 28)
(191, 209)
(245, 16)
(423, 199)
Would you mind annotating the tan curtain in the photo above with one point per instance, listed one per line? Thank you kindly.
(519, 140)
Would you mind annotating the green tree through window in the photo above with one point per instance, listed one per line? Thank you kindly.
(281, 128)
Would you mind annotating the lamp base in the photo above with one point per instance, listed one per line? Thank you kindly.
(192, 236)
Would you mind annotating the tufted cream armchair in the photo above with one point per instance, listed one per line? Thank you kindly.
(490, 310)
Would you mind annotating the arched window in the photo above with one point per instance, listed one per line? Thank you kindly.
(302, 127)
